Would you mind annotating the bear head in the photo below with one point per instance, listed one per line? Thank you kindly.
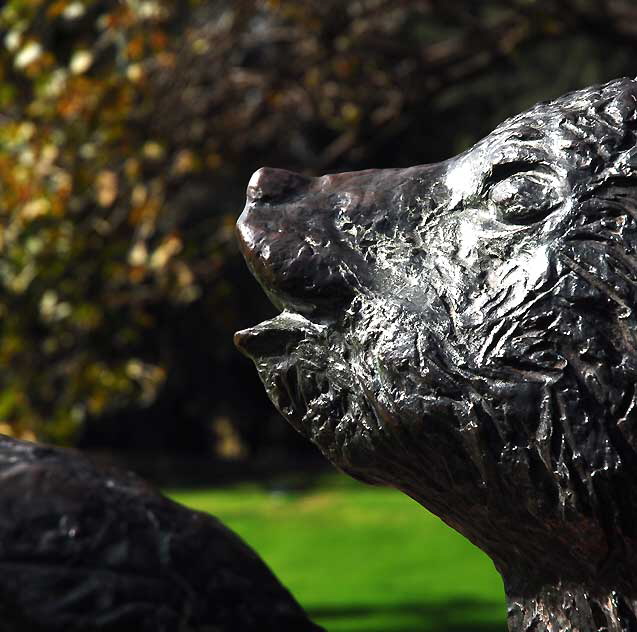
(466, 331)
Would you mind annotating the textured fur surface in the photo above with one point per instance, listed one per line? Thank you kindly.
(466, 332)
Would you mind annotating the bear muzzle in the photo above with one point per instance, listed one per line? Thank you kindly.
(288, 236)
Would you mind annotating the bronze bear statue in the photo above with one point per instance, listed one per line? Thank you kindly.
(466, 332)
(87, 549)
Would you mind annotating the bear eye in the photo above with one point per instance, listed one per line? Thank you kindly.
(524, 198)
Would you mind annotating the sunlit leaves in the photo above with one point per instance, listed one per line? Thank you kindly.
(82, 187)
(27, 54)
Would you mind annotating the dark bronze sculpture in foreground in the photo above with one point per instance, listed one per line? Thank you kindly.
(467, 332)
(87, 550)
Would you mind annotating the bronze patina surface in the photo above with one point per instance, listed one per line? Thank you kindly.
(84, 549)
(466, 331)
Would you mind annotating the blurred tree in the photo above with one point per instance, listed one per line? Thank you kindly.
(128, 131)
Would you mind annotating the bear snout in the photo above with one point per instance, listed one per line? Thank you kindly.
(288, 237)
(275, 185)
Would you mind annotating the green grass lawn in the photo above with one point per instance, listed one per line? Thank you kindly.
(363, 559)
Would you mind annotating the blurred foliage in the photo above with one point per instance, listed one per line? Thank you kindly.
(128, 130)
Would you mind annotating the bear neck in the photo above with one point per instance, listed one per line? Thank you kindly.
(566, 606)
(559, 576)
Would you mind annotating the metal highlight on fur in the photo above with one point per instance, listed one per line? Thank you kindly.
(466, 332)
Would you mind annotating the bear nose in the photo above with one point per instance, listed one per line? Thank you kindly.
(275, 185)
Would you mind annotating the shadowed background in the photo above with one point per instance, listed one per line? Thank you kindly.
(128, 132)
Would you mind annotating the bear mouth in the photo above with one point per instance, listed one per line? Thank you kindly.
(300, 365)
(276, 337)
